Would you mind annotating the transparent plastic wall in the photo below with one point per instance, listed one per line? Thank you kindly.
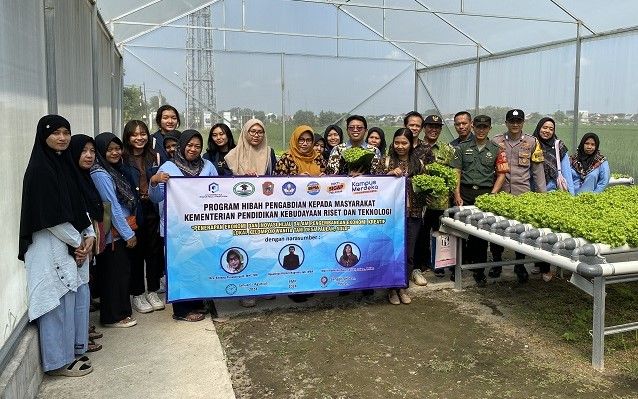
(74, 75)
(22, 102)
(540, 83)
(448, 90)
(104, 82)
(608, 100)
(24, 99)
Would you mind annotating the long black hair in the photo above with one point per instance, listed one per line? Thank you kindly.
(147, 152)
(414, 164)
(160, 110)
(381, 133)
(212, 146)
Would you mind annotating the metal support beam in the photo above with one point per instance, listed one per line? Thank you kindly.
(451, 25)
(578, 20)
(268, 53)
(416, 86)
(430, 11)
(296, 34)
(95, 59)
(49, 55)
(283, 101)
(579, 42)
(157, 26)
(133, 11)
(598, 325)
(458, 271)
(477, 88)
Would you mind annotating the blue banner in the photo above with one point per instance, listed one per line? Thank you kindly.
(235, 237)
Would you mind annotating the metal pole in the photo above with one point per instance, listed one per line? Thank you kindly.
(458, 271)
(598, 325)
(224, 23)
(576, 89)
(477, 89)
(337, 14)
(114, 86)
(283, 104)
(95, 57)
(49, 51)
(416, 86)
(383, 26)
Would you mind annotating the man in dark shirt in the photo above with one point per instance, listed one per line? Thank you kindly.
(291, 261)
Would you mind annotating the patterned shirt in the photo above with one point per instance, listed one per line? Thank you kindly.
(287, 166)
(416, 202)
(338, 166)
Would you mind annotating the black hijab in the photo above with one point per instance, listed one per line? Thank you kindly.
(549, 153)
(123, 188)
(582, 163)
(188, 168)
(50, 195)
(91, 195)
(328, 150)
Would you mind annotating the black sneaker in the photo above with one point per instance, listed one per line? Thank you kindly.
(495, 272)
(439, 272)
(367, 292)
(521, 274)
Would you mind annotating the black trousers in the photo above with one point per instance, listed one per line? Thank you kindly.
(431, 223)
(475, 249)
(114, 272)
(149, 250)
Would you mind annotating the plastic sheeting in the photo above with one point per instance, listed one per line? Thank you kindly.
(24, 98)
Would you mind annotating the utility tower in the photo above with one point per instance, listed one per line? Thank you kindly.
(200, 77)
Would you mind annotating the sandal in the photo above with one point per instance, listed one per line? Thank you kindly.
(85, 360)
(93, 347)
(191, 316)
(76, 368)
(94, 334)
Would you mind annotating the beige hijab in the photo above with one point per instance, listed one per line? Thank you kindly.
(246, 157)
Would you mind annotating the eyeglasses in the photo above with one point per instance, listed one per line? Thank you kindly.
(194, 146)
(301, 141)
(356, 128)
(255, 133)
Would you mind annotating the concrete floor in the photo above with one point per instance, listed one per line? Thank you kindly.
(157, 358)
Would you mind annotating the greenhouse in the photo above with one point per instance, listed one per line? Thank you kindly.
(101, 63)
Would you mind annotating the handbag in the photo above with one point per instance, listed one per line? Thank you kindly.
(561, 183)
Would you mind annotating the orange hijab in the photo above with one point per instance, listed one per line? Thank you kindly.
(305, 162)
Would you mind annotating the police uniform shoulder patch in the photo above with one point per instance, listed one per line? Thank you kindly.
(537, 155)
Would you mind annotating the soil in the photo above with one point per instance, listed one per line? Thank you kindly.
(502, 341)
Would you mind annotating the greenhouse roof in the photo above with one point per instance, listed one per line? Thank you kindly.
(431, 32)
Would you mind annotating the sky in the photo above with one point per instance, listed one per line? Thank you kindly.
(538, 82)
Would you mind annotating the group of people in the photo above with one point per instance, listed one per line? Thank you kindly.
(92, 217)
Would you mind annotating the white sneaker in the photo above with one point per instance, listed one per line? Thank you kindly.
(418, 278)
(162, 287)
(393, 297)
(155, 301)
(141, 305)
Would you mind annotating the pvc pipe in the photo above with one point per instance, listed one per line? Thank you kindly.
(450, 212)
(518, 229)
(584, 269)
(591, 249)
(569, 244)
(534, 233)
(463, 213)
(475, 217)
(489, 221)
(552, 238)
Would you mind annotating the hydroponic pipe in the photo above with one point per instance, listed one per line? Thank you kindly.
(451, 212)
(552, 238)
(569, 244)
(584, 269)
(533, 234)
(475, 217)
(601, 249)
(489, 221)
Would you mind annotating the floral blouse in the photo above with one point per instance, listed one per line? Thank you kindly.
(416, 202)
(287, 166)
